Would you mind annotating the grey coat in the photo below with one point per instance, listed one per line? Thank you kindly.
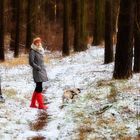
(37, 63)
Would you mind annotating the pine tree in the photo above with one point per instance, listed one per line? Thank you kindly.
(80, 26)
(136, 67)
(108, 32)
(98, 33)
(13, 20)
(16, 49)
(29, 25)
(83, 25)
(77, 32)
(65, 49)
(115, 13)
(2, 58)
(124, 47)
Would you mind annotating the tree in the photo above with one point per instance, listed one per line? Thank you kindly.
(136, 67)
(16, 49)
(99, 22)
(2, 58)
(124, 47)
(59, 10)
(13, 20)
(83, 25)
(108, 32)
(28, 25)
(50, 9)
(80, 26)
(65, 49)
(115, 13)
(77, 32)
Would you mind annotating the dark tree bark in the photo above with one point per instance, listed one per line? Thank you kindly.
(83, 25)
(115, 13)
(73, 8)
(99, 22)
(124, 47)
(108, 32)
(77, 33)
(13, 20)
(50, 10)
(136, 67)
(37, 17)
(65, 49)
(2, 58)
(28, 25)
(47, 9)
(80, 26)
(16, 50)
(59, 9)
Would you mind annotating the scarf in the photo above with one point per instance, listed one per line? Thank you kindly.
(39, 49)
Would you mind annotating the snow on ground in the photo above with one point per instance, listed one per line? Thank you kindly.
(105, 108)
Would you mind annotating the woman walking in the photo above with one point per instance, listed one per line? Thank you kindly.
(39, 73)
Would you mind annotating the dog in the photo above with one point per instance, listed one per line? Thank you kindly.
(69, 94)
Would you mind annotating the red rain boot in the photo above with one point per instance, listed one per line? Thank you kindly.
(39, 98)
(33, 101)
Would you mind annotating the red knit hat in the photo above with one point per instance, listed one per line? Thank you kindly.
(37, 39)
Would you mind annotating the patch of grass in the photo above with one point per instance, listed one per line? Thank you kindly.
(120, 130)
(101, 83)
(46, 59)
(15, 62)
(10, 92)
(89, 96)
(126, 138)
(128, 88)
(110, 122)
(102, 122)
(39, 137)
(21, 60)
(85, 128)
(79, 114)
(84, 131)
(113, 94)
(40, 122)
(112, 82)
(87, 121)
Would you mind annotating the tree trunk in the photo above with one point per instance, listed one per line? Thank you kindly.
(13, 29)
(136, 67)
(59, 13)
(2, 58)
(99, 22)
(50, 10)
(77, 32)
(28, 26)
(65, 49)
(108, 32)
(115, 13)
(80, 26)
(124, 47)
(16, 51)
(83, 25)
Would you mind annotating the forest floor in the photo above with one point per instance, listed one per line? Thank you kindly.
(105, 109)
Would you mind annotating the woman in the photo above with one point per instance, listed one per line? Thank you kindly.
(39, 72)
